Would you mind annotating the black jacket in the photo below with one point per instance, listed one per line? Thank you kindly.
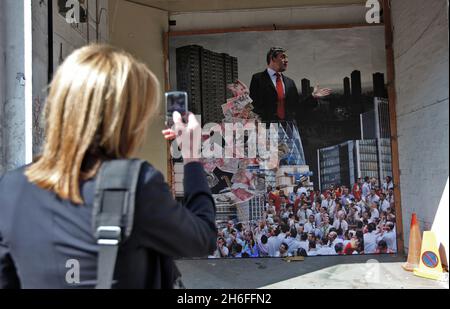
(40, 232)
(264, 96)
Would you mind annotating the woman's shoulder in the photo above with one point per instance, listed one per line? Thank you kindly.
(13, 185)
(149, 174)
(13, 178)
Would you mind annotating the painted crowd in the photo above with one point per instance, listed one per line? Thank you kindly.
(337, 221)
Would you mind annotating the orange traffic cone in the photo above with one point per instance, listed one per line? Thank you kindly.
(415, 244)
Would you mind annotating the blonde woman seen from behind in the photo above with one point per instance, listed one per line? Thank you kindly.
(98, 108)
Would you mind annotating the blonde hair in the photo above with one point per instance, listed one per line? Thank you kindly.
(99, 105)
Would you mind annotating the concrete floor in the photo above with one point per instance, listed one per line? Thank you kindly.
(370, 271)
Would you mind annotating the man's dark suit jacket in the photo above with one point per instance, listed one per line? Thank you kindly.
(264, 96)
(40, 232)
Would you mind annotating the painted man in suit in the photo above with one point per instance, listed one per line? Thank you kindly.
(275, 96)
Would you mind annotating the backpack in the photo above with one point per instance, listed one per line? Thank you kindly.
(113, 214)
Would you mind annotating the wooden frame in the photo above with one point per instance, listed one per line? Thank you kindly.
(269, 28)
(170, 179)
(392, 97)
(390, 85)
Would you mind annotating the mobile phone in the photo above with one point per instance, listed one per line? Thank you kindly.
(176, 101)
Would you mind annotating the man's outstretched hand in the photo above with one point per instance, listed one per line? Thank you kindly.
(321, 92)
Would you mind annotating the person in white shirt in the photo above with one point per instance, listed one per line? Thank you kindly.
(263, 248)
(365, 191)
(233, 239)
(373, 197)
(346, 197)
(310, 226)
(317, 208)
(302, 190)
(373, 182)
(340, 223)
(348, 236)
(363, 205)
(324, 227)
(388, 234)
(352, 218)
(390, 214)
(270, 206)
(291, 221)
(337, 210)
(270, 219)
(333, 239)
(383, 218)
(283, 250)
(365, 217)
(222, 250)
(356, 210)
(300, 228)
(292, 242)
(283, 204)
(384, 204)
(273, 243)
(285, 214)
(329, 204)
(284, 231)
(326, 250)
(388, 184)
(304, 243)
(261, 229)
(374, 213)
(370, 239)
(312, 251)
(319, 216)
(240, 227)
(390, 197)
(269, 216)
(303, 213)
(226, 231)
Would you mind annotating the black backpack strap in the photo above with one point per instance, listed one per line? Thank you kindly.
(113, 213)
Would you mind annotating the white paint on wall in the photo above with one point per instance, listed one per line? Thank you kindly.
(440, 223)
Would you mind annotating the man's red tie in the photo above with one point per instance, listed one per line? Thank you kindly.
(281, 99)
